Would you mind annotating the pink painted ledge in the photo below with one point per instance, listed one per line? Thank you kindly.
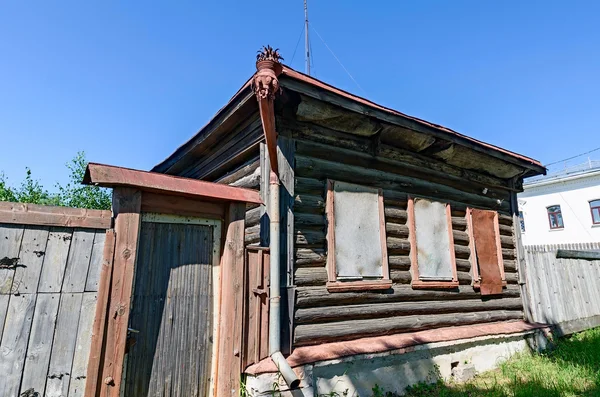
(331, 351)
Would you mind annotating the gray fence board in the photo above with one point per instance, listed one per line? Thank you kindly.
(31, 257)
(63, 345)
(10, 243)
(78, 262)
(563, 290)
(93, 276)
(55, 260)
(40, 343)
(14, 342)
(82, 347)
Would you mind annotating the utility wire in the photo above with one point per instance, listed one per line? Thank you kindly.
(337, 59)
(298, 42)
(574, 157)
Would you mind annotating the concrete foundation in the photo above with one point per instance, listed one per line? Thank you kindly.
(396, 369)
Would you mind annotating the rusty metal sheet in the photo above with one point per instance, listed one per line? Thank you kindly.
(433, 240)
(487, 251)
(357, 231)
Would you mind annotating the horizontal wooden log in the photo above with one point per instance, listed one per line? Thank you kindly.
(395, 214)
(310, 276)
(328, 332)
(253, 217)
(319, 296)
(42, 215)
(310, 236)
(508, 253)
(399, 262)
(462, 252)
(246, 169)
(511, 278)
(319, 169)
(459, 223)
(309, 186)
(507, 242)
(397, 246)
(506, 230)
(310, 257)
(309, 203)
(463, 265)
(505, 219)
(460, 237)
(510, 266)
(395, 201)
(458, 212)
(308, 219)
(379, 310)
(396, 230)
(251, 238)
(398, 168)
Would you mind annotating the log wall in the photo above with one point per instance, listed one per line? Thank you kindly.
(321, 316)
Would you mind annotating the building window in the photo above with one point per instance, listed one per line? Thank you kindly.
(555, 217)
(522, 221)
(486, 251)
(595, 208)
(356, 239)
(433, 264)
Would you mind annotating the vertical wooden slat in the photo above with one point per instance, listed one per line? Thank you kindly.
(63, 345)
(100, 316)
(93, 276)
(78, 261)
(126, 206)
(10, 243)
(14, 342)
(230, 335)
(3, 310)
(55, 259)
(31, 257)
(40, 343)
(82, 345)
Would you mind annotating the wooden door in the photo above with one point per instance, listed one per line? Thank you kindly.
(171, 318)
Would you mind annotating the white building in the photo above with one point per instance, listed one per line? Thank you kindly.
(562, 207)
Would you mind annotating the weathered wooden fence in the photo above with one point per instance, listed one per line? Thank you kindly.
(50, 261)
(564, 292)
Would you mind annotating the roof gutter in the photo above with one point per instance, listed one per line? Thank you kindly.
(266, 86)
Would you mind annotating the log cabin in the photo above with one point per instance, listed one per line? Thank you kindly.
(380, 235)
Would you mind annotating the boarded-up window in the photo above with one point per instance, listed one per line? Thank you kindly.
(357, 256)
(432, 245)
(486, 251)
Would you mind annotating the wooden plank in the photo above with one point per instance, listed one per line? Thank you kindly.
(10, 244)
(42, 215)
(165, 204)
(82, 346)
(109, 176)
(306, 334)
(40, 343)
(230, 334)
(31, 256)
(55, 260)
(78, 261)
(265, 169)
(93, 276)
(100, 315)
(126, 205)
(13, 347)
(3, 311)
(578, 254)
(63, 345)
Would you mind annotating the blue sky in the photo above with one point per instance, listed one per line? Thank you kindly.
(129, 81)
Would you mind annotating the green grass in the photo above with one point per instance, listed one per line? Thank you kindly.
(572, 368)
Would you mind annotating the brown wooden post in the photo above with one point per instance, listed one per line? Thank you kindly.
(126, 207)
(232, 299)
(99, 326)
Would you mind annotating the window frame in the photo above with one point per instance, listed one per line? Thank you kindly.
(333, 285)
(416, 282)
(553, 213)
(475, 277)
(592, 210)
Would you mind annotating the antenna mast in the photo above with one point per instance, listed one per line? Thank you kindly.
(306, 46)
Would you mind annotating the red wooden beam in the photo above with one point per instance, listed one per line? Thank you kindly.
(111, 176)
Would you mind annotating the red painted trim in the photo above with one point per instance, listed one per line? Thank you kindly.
(111, 176)
(45, 215)
(331, 351)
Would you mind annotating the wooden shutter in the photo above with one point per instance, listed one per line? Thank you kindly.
(488, 251)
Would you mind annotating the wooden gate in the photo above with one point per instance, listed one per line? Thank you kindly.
(171, 318)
